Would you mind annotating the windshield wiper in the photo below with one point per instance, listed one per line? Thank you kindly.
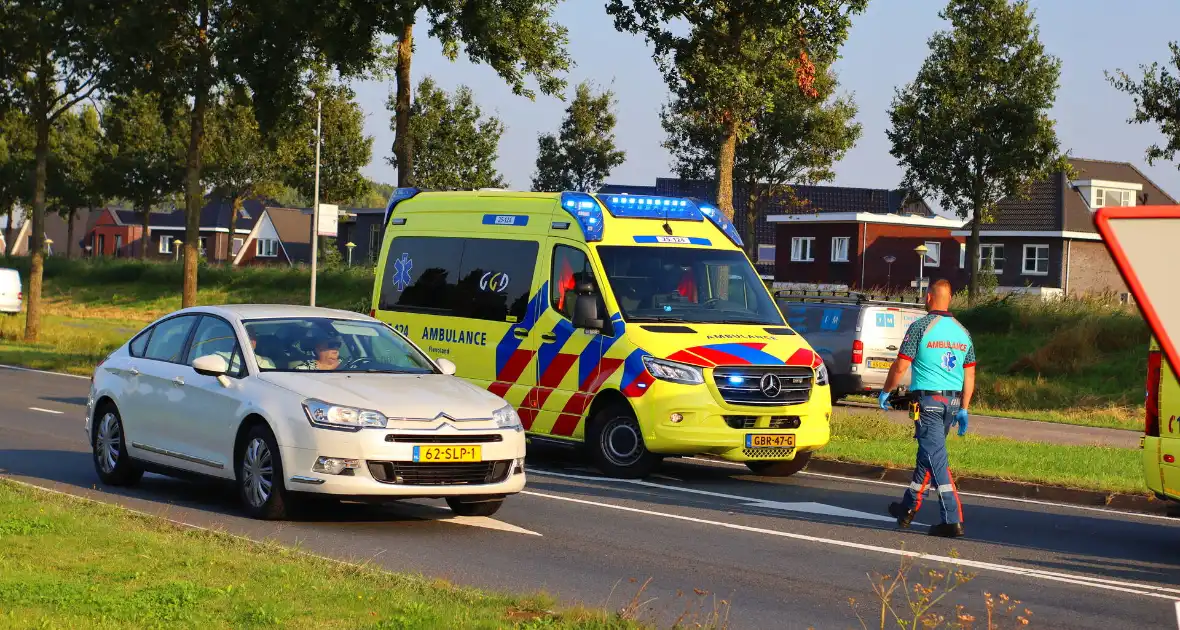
(662, 320)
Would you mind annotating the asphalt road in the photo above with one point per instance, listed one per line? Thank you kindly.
(786, 553)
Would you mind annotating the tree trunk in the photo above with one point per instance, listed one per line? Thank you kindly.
(725, 160)
(403, 145)
(751, 235)
(37, 232)
(235, 207)
(71, 214)
(192, 170)
(973, 255)
(144, 241)
(8, 244)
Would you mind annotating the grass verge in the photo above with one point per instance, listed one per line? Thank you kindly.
(871, 439)
(114, 569)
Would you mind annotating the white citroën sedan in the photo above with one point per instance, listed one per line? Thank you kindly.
(288, 400)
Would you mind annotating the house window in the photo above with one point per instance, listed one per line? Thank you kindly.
(801, 248)
(267, 248)
(991, 257)
(766, 254)
(1113, 197)
(238, 242)
(840, 248)
(933, 255)
(1036, 260)
(166, 244)
(962, 255)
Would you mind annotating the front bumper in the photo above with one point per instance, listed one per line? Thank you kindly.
(387, 468)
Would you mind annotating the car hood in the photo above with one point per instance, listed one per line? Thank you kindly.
(711, 345)
(417, 396)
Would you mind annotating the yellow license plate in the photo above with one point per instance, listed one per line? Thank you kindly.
(447, 454)
(754, 440)
(880, 365)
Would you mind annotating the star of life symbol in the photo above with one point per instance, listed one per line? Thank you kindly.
(401, 272)
(949, 361)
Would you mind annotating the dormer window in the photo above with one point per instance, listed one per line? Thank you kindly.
(1102, 194)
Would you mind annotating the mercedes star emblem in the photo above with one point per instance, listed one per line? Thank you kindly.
(771, 385)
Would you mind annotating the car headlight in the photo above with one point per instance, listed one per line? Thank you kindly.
(329, 416)
(673, 372)
(507, 418)
(821, 374)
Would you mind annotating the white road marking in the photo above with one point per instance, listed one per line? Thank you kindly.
(807, 507)
(1178, 613)
(1132, 588)
(54, 412)
(978, 495)
(488, 523)
(24, 369)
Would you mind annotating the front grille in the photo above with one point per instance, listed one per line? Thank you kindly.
(784, 422)
(768, 452)
(443, 439)
(751, 422)
(743, 385)
(432, 474)
(741, 422)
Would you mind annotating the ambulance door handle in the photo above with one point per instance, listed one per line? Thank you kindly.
(548, 337)
(520, 333)
(891, 348)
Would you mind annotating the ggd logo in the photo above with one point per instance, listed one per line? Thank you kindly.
(494, 281)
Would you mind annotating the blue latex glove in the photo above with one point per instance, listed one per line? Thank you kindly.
(883, 400)
(961, 420)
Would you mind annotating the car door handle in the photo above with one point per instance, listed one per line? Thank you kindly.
(520, 333)
(178, 380)
(891, 348)
(548, 337)
(133, 372)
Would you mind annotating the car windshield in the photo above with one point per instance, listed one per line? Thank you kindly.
(319, 344)
(687, 285)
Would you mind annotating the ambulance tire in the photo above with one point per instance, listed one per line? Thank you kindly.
(780, 468)
(616, 444)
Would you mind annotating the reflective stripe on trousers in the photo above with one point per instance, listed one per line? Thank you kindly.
(931, 430)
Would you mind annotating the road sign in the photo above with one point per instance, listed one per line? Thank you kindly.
(1141, 240)
(329, 219)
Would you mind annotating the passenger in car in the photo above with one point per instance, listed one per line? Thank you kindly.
(263, 362)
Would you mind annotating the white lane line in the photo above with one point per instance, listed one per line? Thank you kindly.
(488, 523)
(24, 369)
(977, 495)
(1178, 613)
(52, 411)
(1132, 588)
(809, 507)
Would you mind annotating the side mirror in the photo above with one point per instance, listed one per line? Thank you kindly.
(586, 312)
(447, 366)
(210, 365)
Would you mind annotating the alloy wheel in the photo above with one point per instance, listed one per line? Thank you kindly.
(257, 472)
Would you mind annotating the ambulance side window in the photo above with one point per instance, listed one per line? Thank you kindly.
(495, 279)
(421, 274)
(570, 267)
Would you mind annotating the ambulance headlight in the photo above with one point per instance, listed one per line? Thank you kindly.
(506, 418)
(673, 372)
(821, 374)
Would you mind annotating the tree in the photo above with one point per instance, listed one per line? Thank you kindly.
(17, 140)
(186, 50)
(583, 153)
(736, 58)
(974, 125)
(1155, 97)
(344, 152)
(242, 164)
(75, 168)
(145, 154)
(518, 39)
(796, 140)
(51, 60)
(455, 146)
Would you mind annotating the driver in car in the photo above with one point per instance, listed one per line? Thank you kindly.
(327, 351)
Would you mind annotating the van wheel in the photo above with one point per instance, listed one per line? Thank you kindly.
(780, 469)
(475, 506)
(616, 444)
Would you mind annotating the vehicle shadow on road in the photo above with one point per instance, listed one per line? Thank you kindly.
(67, 400)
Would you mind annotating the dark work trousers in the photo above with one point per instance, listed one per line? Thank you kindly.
(936, 414)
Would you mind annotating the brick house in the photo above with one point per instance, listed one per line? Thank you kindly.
(865, 250)
(57, 234)
(281, 236)
(1047, 242)
(119, 232)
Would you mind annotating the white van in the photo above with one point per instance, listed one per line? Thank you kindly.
(10, 291)
(857, 335)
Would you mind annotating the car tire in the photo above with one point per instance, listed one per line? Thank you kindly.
(470, 506)
(780, 468)
(616, 444)
(109, 449)
(260, 476)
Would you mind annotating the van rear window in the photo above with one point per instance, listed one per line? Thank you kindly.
(818, 318)
(477, 278)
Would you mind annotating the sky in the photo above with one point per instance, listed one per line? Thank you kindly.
(884, 50)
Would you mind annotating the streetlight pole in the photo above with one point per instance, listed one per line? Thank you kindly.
(315, 212)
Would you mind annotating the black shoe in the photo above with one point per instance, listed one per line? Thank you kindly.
(947, 530)
(904, 517)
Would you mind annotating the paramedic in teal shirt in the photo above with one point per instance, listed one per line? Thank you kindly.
(937, 350)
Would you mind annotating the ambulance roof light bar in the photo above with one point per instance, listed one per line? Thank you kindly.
(586, 211)
(626, 206)
(399, 195)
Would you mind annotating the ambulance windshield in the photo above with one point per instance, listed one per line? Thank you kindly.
(687, 285)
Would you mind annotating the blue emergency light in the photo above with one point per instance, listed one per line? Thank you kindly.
(399, 195)
(721, 221)
(670, 209)
(586, 211)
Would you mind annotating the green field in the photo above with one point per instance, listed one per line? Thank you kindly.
(115, 569)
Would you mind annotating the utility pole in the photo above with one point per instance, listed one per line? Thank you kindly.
(315, 213)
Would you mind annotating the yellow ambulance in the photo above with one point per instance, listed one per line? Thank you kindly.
(1161, 432)
(633, 325)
